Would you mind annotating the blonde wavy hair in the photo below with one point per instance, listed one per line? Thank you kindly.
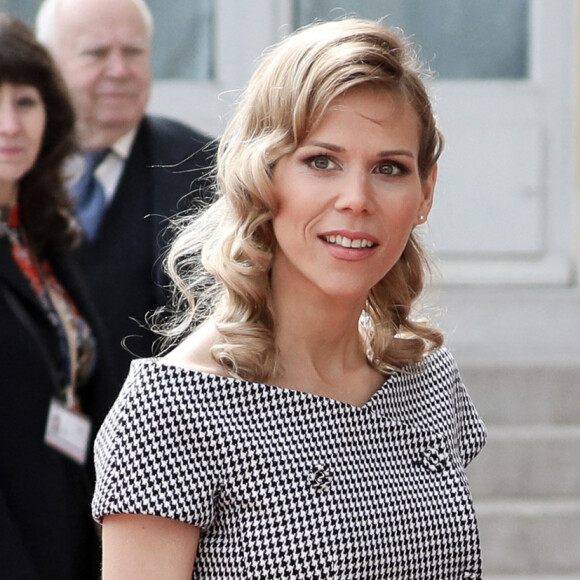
(221, 257)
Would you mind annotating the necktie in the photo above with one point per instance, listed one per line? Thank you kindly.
(88, 194)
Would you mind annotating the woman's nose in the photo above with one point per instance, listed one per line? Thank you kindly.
(9, 119)
(355, 193)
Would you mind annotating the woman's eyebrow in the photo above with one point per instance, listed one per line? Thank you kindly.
(396, 152)
(340, 149)
(324, 145)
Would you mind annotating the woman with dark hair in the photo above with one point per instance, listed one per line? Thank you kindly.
(309, 422)
(47, 369)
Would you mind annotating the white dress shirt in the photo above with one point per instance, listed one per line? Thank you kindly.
(110, 169)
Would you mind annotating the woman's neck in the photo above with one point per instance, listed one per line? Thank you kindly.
(320, 346)
(8, 194)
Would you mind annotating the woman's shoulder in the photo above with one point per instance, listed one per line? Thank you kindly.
(173, 386)
(194, 353)
(158, 397)
(183, 377)
(158, 380)
(434, 378)
(436, 362)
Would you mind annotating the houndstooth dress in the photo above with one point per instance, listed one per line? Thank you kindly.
(286, 484)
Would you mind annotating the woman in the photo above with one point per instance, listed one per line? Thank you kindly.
(308, 425)
(48, 349)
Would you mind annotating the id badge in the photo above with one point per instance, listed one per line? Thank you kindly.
(67, 431)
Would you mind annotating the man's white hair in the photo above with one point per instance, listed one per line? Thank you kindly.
(46, 20)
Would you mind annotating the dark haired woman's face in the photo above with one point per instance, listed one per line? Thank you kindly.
(22, 123)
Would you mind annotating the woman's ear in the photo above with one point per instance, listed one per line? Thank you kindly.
(427, 187)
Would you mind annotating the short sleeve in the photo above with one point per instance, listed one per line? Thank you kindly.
(155, 453)
(471, 433)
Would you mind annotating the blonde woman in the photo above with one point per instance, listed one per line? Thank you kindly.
(307, 424)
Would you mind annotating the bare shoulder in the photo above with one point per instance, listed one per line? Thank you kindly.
(194, 352)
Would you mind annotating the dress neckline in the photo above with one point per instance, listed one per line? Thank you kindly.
(289, 392)
(409, 370)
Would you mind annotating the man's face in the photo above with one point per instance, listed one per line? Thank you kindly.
(103, 50)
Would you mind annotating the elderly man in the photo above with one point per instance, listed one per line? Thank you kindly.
(134, 166)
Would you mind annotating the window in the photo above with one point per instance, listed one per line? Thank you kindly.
(454, 35)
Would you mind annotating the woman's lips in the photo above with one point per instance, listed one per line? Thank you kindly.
(351, 246)
(10, 151)
(347, 242)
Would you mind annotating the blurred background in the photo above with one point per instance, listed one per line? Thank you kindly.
(504, 228)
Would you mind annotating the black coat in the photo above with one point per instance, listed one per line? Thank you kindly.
(46, 531)
(122, 265)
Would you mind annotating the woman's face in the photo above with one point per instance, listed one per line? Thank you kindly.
(349, 195)
(22, 122)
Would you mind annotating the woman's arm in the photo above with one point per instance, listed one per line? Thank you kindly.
(140, 547)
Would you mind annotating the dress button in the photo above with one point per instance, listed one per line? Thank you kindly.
(320, 478)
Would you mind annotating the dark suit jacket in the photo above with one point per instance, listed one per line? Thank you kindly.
(45, 527)
(163, 174)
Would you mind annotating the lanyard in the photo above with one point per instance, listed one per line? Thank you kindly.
(45, 287)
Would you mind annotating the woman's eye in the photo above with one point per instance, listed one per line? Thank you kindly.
(26, 101)
(321, 162)
(390, 169)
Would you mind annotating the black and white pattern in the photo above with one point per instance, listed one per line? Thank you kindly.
(286, 484)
